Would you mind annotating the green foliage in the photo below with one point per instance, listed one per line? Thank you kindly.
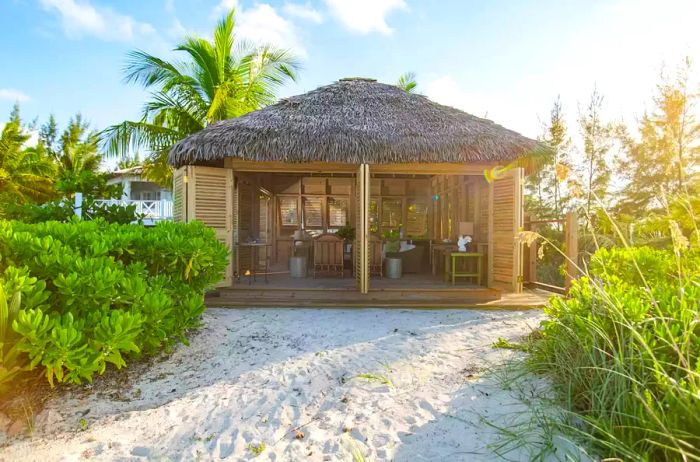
(392, 238)
(598, 138)
(667, 153)
(544, 186)
(346, 232)
(550, 261)
(256, 449)
(17, 290)
(508, 345)
(407, 82)
(26, 173)
(377, 378)
(57, 167)
(77, 159)
(624, 352)
(217, 80)
(85, 294)
(63, 211)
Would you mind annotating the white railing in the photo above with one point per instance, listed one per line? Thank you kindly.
(151, 210)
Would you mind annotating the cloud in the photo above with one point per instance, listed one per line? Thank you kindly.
(81, 18)
(365, 16)
(305, 12)
(10, 94)
(177, 30)
(224, 6)
(445, 90)
(487, 103)
(262, 24)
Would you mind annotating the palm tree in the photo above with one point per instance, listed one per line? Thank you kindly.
(78, 149)
(76, 156)
(25, 172)
(407, 82)
(220, 79)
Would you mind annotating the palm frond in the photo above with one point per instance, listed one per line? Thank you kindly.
(148, 70)
(223, 43)
(407, 82)
(220, 79)
(205, 65)
(121, 139)
(157, 169)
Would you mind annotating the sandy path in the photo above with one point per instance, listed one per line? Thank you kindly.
(251, 377)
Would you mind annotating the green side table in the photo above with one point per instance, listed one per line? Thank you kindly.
(454, 273)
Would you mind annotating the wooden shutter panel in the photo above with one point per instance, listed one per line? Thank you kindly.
(505, 222)
(337, 212)
(362, 229)
(180, 194)
(210, 200)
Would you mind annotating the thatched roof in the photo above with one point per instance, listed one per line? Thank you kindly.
(354, 121)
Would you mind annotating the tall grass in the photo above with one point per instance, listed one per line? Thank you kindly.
(623, 352)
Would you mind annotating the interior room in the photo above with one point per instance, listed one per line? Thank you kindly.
(297, 231)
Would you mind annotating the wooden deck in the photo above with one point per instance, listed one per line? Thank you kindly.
(411, 291)
(408, 281)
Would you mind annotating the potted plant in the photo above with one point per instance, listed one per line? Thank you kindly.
(392, 237)
(346, 232)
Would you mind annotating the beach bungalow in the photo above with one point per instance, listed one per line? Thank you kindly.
(358, 192)
(151, 200)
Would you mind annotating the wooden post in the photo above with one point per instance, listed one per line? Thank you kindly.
(78, 205)
(530, 257)
(571, 242)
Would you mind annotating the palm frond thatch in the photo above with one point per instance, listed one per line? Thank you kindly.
(355, 121)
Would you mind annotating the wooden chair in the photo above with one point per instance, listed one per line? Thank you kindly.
(376, 256)
(328, 254)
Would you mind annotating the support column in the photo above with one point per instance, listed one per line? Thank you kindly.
(126, 185)
(362, 193)
(571, 242)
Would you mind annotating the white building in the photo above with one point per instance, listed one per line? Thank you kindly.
(151, 200)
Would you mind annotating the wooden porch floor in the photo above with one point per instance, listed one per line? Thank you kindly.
(407, 281)
(411, 291)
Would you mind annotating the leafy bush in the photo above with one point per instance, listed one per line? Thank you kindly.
(85, 294)
(62, 210)
(624, 352)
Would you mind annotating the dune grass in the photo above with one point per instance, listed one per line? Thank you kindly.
(622, 352)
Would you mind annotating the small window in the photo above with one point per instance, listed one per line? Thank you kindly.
(289, 214)
(337, 212)
(313, 212)
(416, 219)
(373, 215)
(391, 214)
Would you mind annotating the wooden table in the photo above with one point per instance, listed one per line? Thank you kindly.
(437, 253)
(255, 259)
(451, 270)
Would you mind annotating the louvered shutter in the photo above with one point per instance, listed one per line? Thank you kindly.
(362, 228)
(180, 194)
(505, 221)
(210, 200)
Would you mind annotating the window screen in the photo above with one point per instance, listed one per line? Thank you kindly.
(416, 219)
(288, 211)
(313, 212)
(391, 213)
(337, 212)
(373, 215)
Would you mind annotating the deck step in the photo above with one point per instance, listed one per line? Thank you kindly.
(349, 298)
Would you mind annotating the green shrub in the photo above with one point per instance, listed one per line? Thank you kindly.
(62, 210)
(89, 293)
(624, 352)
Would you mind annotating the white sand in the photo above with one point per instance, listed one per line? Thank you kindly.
(256, 376)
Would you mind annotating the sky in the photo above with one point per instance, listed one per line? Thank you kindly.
(505, 60)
